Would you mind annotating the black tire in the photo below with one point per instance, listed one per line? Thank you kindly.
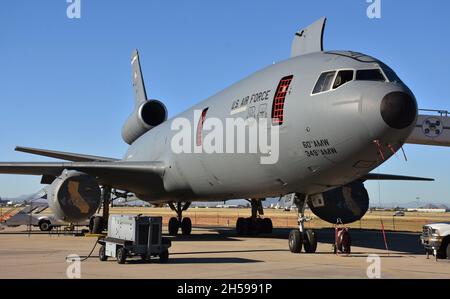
(174, 225)
(144, 257)
(448, 250)
(98, 225)
(310, 241)
(164, 256)
(45, 225)
(295, 241)
(249, 227)
(267, 226)
(444, 251)
(121, 255)
(102, 253)
(345, 243)
(186, 226)
(240, 226)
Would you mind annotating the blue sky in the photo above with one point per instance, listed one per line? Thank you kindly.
(65, 83)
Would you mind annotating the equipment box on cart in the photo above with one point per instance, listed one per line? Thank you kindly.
(134, 236)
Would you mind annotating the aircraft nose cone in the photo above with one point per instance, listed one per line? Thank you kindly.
(398, 110)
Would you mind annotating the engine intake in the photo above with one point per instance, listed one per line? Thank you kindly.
(74, 196)
(147, 116)
(348, 203)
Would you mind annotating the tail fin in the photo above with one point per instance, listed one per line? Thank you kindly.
(140, 94)
(310, 39)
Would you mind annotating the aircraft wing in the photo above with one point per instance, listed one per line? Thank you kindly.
(391, 177)
(130, 176)
(62, 155)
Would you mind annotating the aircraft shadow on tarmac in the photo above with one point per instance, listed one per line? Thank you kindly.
(198, 260)
(397, 241)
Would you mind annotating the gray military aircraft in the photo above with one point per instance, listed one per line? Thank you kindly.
(337, 114)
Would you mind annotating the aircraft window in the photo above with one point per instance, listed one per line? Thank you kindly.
(343, 77)
(370, 75)
(391, 75)
(324, 82)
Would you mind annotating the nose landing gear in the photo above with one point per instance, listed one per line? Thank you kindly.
(300, 237)
(175, 223)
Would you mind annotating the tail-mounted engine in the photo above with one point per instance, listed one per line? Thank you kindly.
(147, 116)
(348, 203)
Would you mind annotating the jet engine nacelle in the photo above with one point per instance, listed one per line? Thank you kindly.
(74, 196)
(147, 116)
(348, 203)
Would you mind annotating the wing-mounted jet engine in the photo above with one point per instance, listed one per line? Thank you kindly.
(74, 196)
(147, 114)
(344, 205)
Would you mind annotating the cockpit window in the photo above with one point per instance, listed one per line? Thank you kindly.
(370, 75)
(324, 82)
(342, 78)
(391, 75)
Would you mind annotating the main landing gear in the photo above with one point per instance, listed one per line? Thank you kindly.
(97, 224)
(300, 237)
(175, 223)
(254, 225)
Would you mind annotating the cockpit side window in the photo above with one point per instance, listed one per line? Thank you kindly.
(370, 75)
(342, 78)
(391, 75)
(324, 82)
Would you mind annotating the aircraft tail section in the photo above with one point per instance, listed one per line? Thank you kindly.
(140, 93)
(147, 114)
(432, 129)
(310, 39)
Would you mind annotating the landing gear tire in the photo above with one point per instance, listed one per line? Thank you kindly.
(186, 226)
(96, 225)
(121, 255)
(164, 256)
(267, 225)
(240, 226)
(295, 241)
(247, 227)
(102, 254)
(310, 241)
(174, 225)
(45, 226)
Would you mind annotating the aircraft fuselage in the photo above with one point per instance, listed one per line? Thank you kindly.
(326, 139)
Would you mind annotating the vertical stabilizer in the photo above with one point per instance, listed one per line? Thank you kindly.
(140, 95)
(310, 39)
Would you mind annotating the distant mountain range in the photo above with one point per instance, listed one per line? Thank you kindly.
(432, 206)
(266, 203)
(25, 197)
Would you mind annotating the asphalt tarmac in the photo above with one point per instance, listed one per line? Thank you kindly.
(219, 253)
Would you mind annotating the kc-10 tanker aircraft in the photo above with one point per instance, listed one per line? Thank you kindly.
(331, 118)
